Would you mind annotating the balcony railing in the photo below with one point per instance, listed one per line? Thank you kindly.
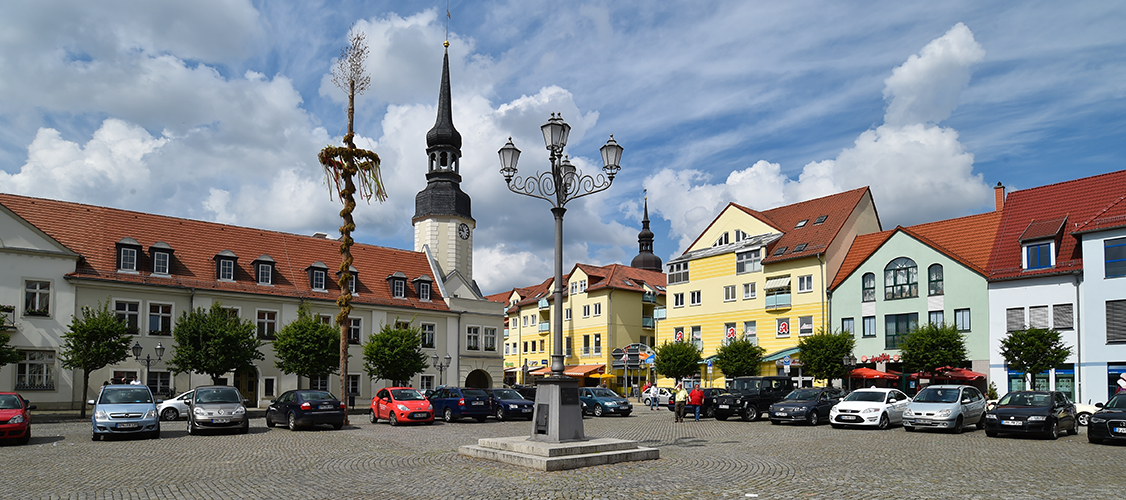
(545, 327)
(647, 322)
(779, 301)
(7, 318)
(649, 298)
(544, 304)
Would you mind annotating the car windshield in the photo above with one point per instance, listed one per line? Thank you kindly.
(867, 396)
(1025, 399)
(206, 396)
(1118, 401)
(604, 393)
(314, 395)
(406, 395)
(803, 394)
(506, 394)
(10, 402)
(745, 384)
(930, 395)
(125, 396)
(474, 393)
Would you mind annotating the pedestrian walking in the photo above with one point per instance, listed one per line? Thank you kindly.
(654, 397)
(681, 397)
(696, 399)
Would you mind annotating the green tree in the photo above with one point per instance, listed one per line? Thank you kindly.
(1034, 350)
(395, 354)
(932, 346)
(213, 342)
(739, 358)
(8, 354)
(677, 360)
(95, 341)
(822, 354)
(306, 347)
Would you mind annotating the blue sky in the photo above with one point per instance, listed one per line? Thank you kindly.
(216, 110)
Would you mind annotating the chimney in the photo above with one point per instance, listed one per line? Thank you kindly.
(999, 196)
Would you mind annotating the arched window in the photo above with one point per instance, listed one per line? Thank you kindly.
(901, 279)
(934, 279)
(868, 285)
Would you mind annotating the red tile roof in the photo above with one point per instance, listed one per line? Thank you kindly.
(863, 246)
(616, 276)
(1089, 204)
(93, 232)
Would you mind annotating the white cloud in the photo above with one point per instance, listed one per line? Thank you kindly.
(925, 89)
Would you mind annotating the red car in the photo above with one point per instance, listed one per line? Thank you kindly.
(15, 417)
(400, 405)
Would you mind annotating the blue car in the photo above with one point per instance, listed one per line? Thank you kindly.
(453, 403)
(601, 401)
(507, 403)
(125, 410)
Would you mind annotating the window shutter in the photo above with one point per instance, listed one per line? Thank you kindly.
(1062, 317)
(1115, 321)
(1038, 317)
(1014, 319)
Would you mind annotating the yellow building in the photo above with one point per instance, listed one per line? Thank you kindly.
(763, 276)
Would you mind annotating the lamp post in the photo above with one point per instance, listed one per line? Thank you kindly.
(563, 183)
(147, 360)
(441, 367)
(849, 361)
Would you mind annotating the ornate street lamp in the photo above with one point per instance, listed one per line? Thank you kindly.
(563, 183)
(147, 360)
(849, 361)
(441, 367)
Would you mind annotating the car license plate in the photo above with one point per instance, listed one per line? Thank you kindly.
(1120, 430)
(922, 421)
(1011, 422)
(781, 414)
(220, 420)
(324, 407)
(850, 417)
(527, 410)
(419, 415)
(724, 407)
(128, 425)
(478, 403)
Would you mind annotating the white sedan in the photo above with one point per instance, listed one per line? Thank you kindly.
(871, 407)
(172, 409)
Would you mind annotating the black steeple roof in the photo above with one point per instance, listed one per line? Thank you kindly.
(443, 133)
(645, 258)
(443, 194)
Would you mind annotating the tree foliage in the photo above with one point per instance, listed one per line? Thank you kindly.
(739, 358)
(8, 354)
(677, 360)
(822, 354)
(932, 346)
(213, 342)
(395, 354)
(306, 347)
(94, 341)
(1034, 350)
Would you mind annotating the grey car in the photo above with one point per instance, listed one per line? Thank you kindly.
(949, 407)
(217, 407)
(123, 410)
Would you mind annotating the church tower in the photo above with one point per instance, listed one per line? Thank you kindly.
(442, 219)
(645, 258)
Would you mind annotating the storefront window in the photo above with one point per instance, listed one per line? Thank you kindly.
(1065, 380)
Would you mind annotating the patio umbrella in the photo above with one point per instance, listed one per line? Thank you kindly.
(868, 373)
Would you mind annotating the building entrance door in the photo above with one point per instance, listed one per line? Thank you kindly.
(246, 381)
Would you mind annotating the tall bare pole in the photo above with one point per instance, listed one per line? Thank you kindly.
(345, 167)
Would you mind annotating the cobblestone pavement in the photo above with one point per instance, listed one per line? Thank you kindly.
(706, 459)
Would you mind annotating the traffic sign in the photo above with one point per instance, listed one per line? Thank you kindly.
(617, 354)
(786, 361)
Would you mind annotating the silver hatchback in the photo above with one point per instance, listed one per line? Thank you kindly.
(949, 407)
(217, 407)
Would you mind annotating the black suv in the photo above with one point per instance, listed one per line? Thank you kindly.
(748, 397)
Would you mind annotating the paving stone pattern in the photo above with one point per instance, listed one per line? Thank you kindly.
(705, 459)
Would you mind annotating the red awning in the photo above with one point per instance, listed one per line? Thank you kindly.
(950, 373)
(583, 370)
(868, 373)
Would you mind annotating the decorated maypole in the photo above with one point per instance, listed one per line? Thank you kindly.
(348, 168)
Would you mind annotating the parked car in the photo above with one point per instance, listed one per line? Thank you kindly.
(708, 410)
(453, 403)
(664, 396)
(809, 405)
(1109, 423)
(401, 405)
(507, 403)
(748, 397)
(602, 401)
(15, 417)
(1038, 412)
(304, 408)
(124, 410)
(871, 407)
(949, 407)
(172, 409)
(217, 407)
(527, 391)
(1084, 411)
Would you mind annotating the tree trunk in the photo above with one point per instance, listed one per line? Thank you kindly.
(85, 393)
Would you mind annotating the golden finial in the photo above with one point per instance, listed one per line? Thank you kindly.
(446, 43)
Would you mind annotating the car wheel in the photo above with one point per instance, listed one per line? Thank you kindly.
(710, 412)
(884, 422)
(391, 419)
(721, 417)
(371, 417)
(292, 421)
(814, 418)
(991, 434)
(981, 422)
(245, 427)
(169, 414)
(1094, 440)
(1053, 431)
(958, 424)
(598, 410)
(1074, 427)
(269, 423)
(647, 401)
(1083, 418)
(191, 428)
(837, 426)
(751, 414)
(500, 414)
(448, 415)
(26, 436)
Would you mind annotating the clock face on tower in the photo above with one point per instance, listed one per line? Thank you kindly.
(463, 231)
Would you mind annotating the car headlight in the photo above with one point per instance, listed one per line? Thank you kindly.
(1097, 420)
(239, 411)
(943, 413)
(101, 415)
(1037, 418)
(18, 419)
(199, 412)
(908, 413)
(800, 409)
(513, 407)
(611, 403)
(870, 410)
(990, 416)
(429, 406)
(150, 414)
(402, 407)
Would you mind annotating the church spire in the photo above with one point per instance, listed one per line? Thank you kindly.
(443, 133)
(645, 258)
(443, 194)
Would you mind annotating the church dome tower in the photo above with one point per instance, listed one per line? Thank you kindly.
(645, 258)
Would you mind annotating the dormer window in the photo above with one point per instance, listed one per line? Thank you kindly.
(225, 265)
(318, 276)
(264, 270)
(127, 251)
(398, 282)
(161, 255)
(352, 272)
(422, 287)
(1038, 255)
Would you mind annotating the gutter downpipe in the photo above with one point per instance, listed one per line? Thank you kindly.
(1078, 341)
(824, 305)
